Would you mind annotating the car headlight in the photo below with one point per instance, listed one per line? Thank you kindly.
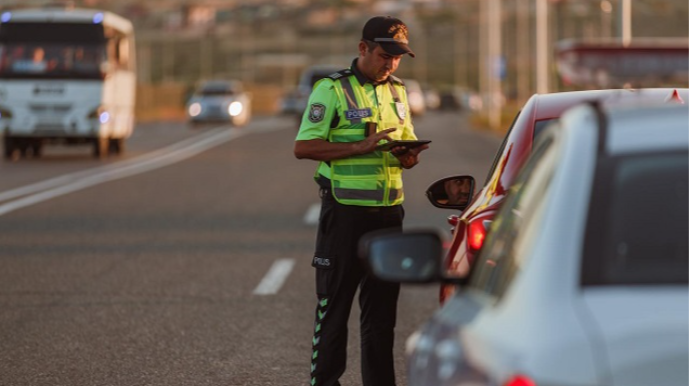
(194, 109)
(235, 108)
(5, 113)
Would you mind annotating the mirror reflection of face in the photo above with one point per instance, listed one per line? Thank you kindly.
(458, 190)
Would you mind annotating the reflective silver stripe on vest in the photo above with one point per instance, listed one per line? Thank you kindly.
(351, 98)
(394, 194)
(359, 194)
(396, 99)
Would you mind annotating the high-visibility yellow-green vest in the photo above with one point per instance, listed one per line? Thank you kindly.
(373, 179)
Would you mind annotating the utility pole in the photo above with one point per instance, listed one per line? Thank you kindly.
(523, 50)
(484, 60)
(168, 60)
(606, 9)
(459, 59)
(495, 62)
(542, 39)
(206, 58)
(144, 62)
(625, 22)
(421, 63)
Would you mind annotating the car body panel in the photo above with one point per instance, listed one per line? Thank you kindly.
(517, 146)
(631, 317)
(633, 138)
(531, 319)
(547, 325)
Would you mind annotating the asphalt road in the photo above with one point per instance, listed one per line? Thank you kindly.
(145, 269)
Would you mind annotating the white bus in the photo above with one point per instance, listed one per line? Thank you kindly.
(67, 75)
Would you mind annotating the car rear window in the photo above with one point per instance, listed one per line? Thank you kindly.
(217, 89)
(638, 222)
(517, 225)
(539, 126)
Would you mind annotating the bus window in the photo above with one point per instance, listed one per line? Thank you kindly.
(50, 51)
(58, 61)
(119, 50)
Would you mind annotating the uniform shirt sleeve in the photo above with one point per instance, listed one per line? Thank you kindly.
(408, 128)
(322, 105)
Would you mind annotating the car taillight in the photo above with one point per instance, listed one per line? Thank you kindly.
(520, 380)
(476, 234)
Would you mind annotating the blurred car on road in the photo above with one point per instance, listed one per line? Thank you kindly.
(584, 277)
(472, 225)
(297, 101)
(219, 101)
(288, 103)
(432, 98)
(415, 97)
(460, 98)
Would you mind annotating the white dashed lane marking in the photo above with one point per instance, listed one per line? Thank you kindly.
(59, 186)
(312, 215)
(275, 277)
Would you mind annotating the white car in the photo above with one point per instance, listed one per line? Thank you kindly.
(307, 80)
(415, 97)
(583, 279)
(220, 101)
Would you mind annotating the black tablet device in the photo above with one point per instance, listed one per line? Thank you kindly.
(410, 144)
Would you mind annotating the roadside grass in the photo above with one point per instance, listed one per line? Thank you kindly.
(480, 120)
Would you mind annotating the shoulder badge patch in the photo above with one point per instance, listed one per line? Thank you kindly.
(317, 112)
(340, 74)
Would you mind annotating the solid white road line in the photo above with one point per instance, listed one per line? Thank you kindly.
(71, 177)
(275, 277)
(312, 215)
(117, 166)
(114, 172)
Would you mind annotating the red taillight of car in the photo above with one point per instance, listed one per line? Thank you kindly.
(476, 233)
(520, 380)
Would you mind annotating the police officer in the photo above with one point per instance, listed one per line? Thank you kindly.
(348, 114)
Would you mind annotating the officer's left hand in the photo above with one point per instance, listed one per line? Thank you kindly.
(408, 157)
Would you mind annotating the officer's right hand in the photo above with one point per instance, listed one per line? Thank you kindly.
(369, 144)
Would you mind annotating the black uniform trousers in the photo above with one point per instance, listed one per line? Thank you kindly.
(339, 273)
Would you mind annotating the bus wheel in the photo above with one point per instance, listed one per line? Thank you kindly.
(116, 145)
(100, 147)
(9, 147)
(36, 148)
(23, 148)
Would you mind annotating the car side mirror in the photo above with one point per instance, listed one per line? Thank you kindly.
(454, 192)
(412, 257)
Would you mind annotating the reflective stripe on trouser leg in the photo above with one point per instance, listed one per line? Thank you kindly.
(339, 284)
(321, 310)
